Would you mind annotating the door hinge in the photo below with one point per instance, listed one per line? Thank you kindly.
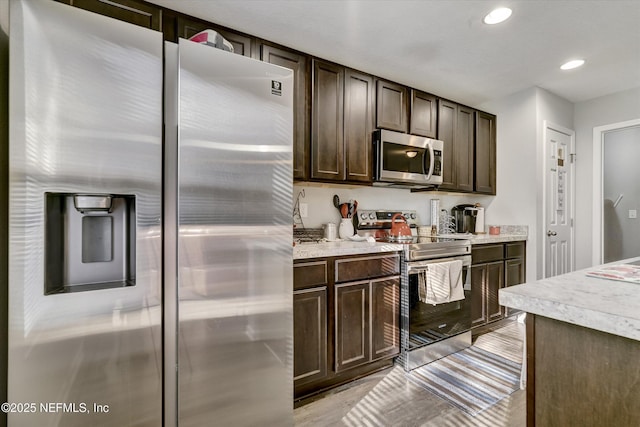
(572, 157)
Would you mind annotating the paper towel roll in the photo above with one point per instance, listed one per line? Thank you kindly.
(435, 213)
(480, 221)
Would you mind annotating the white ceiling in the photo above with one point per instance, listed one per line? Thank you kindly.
(442, 46)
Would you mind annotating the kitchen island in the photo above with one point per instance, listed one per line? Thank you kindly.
(583, 347)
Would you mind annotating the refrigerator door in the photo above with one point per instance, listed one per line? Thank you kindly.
(85, 272)
(235, 269)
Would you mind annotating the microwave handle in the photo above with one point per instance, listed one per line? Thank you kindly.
(432, 162)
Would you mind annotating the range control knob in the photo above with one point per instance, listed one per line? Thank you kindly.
(413, 215)
(363, 215)
(372, 215)
(405, 215)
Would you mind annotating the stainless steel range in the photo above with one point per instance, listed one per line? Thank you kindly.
(431, 327)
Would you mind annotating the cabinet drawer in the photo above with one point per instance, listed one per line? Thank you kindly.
(514, 250)
(308, 274)
(362, 268)
(487, 253)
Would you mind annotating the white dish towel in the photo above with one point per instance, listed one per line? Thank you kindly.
(441, 283)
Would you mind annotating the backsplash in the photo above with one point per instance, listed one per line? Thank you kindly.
(320, 208)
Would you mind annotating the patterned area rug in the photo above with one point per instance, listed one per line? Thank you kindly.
(473, 379)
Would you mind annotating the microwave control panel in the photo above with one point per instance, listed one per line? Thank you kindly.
(437, 162)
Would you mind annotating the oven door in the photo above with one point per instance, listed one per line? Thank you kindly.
(407, 159)
(429, 323)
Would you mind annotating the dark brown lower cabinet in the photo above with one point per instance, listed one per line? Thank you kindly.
(385, 318)
(367, 322)
(486, 280)
(514, 268)
(494, 266)
(355, 302)
(310, 335)
(352, 326)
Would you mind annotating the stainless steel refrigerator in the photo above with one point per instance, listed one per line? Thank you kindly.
(150, 267)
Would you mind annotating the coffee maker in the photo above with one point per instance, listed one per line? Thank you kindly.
(465, 218)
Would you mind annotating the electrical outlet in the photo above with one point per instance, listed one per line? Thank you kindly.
(633, 213)
(304, 210)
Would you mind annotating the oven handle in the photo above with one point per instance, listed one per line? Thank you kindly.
(420, 265)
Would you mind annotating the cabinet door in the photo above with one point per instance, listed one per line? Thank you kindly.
(242, 44)
(327, 144)
(463, 148)
(485, 168)
(132, 11)
(514, 272)
(486, 280)
(456, 130)
(495, 282)
(309, 335)
(447, 123)
(424, 111)
(385, 318)
(478, 295)
(352, 333)
(301, 140)
(358, 125)
(391, 106)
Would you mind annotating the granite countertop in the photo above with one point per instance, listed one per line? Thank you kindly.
(481, 239)
(348, 247)
(341, 247)
(605, 305)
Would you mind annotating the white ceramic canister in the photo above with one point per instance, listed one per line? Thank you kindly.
(346, 228)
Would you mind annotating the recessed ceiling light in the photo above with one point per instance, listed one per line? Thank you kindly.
(498, 15)
(572, 64)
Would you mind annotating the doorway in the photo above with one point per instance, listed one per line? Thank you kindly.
(616, 192)
(559, 190)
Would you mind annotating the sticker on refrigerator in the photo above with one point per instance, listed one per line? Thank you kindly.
(276, 88)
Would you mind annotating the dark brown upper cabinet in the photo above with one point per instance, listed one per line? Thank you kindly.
(485, 162)
(456, 130)
(358, 125)
(327, 116)
(132, 11)
(342, 124)
(392, 105)
(464, 148)
(301, 111)
(242, 44)
(337, 109)
(424, 111)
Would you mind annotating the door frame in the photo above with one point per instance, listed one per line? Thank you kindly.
(546, 126)
(597, 203)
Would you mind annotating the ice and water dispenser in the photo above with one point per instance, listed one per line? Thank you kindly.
(90, 242)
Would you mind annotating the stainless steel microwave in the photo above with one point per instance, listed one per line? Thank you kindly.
(406, 160)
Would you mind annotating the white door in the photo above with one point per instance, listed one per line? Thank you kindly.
(559, 189)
